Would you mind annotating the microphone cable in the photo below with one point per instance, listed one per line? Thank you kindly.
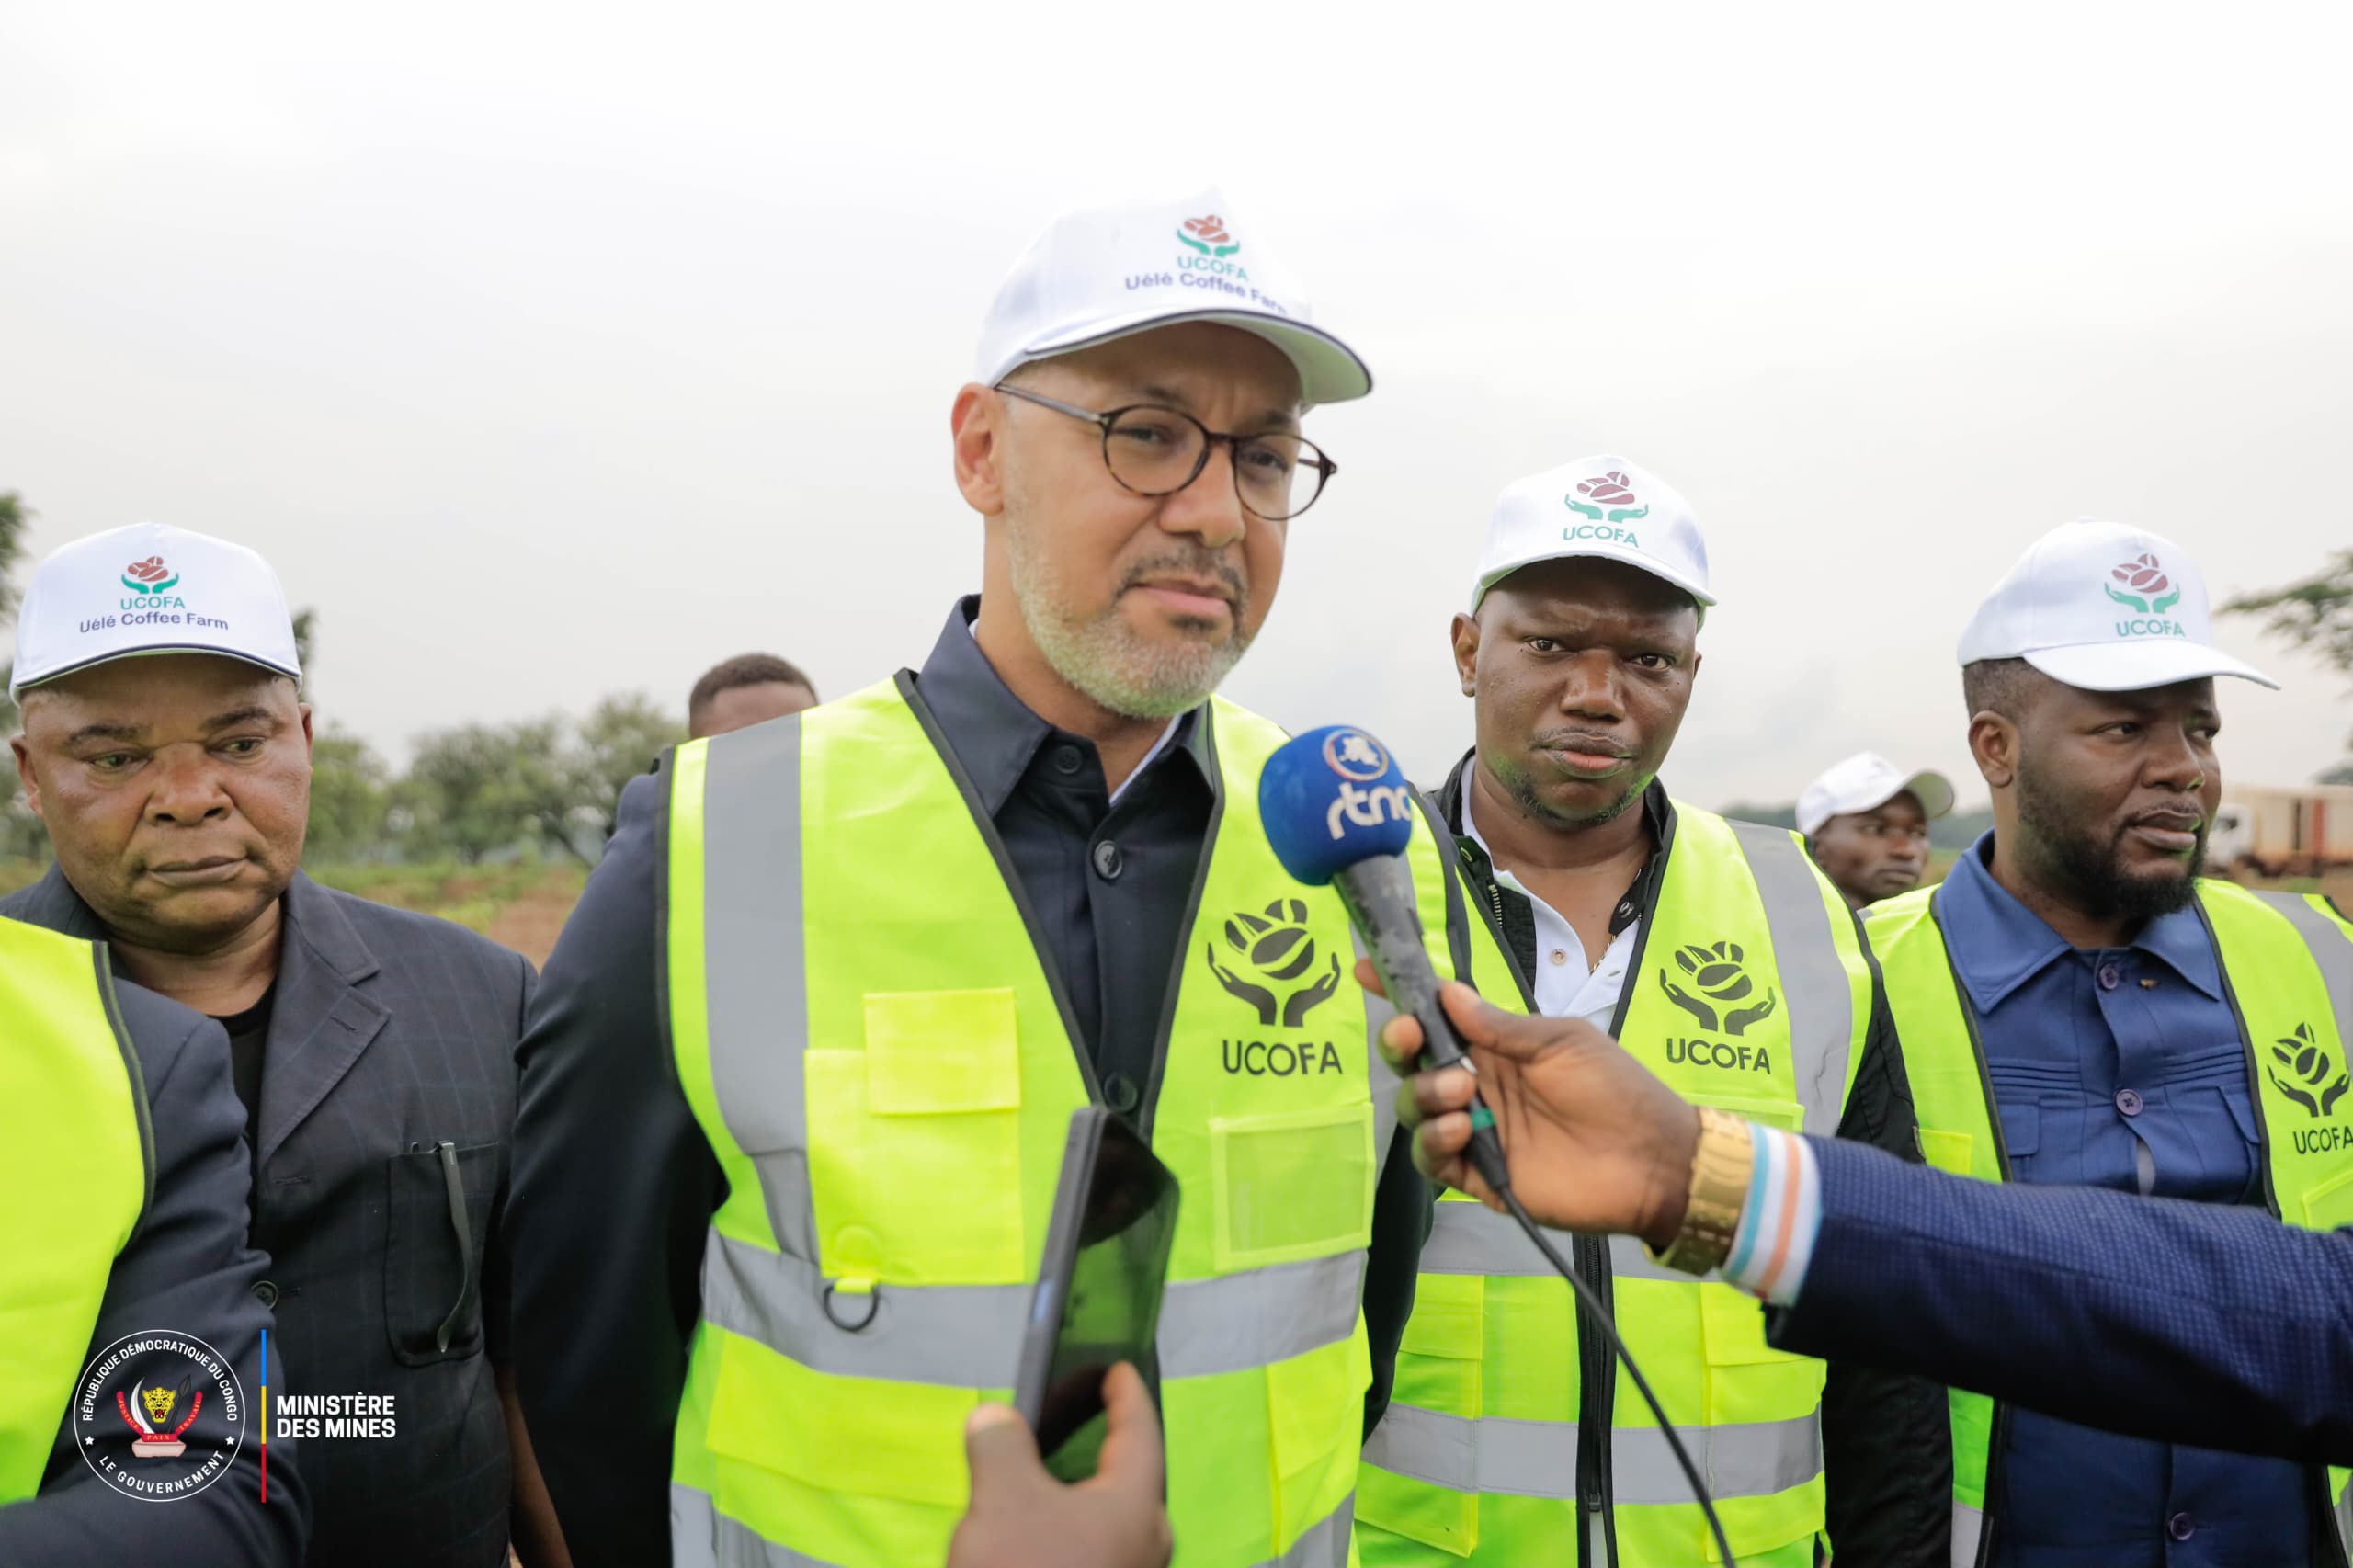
(1600, 1318)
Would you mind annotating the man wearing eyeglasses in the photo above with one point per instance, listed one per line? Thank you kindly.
(798, 1082)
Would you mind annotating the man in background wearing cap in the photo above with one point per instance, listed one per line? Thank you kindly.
(796, 1090)
(126, 1177)
(1867, 820)
(2081, 1009)
(1726, 963)
(167, 748)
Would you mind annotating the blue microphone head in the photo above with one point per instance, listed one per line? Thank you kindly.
(1331, 798)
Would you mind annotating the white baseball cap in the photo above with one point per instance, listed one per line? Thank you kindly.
(1867, 781)
(1605, 506)
(2105, 607)
(1112, 271)
(145, 589)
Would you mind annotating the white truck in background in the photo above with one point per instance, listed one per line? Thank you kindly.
(2298, 830)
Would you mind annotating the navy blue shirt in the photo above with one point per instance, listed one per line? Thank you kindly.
(2123, 1068)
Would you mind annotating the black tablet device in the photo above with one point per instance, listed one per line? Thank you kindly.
(1098, 1301)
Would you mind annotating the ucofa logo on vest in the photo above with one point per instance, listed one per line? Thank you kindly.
(151, 601)
(2142, 586)
(2303, 1070)
(1270, 961)
(1205, 261)
(159, 1415)
(1610, 503)
(1722, 998)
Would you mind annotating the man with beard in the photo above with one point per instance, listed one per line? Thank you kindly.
(2081, 1009)
(1865, 822)
(1724, 961)
(796, 1088)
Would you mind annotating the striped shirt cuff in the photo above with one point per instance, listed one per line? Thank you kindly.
(1775, 1241)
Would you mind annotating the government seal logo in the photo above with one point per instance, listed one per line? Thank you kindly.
(159, 1415)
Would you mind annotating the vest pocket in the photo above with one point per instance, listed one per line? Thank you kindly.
(1748, 1379)
(1447, 1339)
(931, 1106)
(1440, 1365)
(1315, 1417)
(2329, 1204)
(1281, 1186)
(1944, 1150)
(1787, 1115)
(845, 1470)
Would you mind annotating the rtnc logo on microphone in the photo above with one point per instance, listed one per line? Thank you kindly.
(1358, 760)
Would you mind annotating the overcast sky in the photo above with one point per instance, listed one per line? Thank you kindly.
(552, 349)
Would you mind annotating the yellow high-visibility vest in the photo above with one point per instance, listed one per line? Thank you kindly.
(2287, 962)
(1750, 989)
(76, 1106)
(884, 1064)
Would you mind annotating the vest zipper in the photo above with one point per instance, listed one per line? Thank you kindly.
(1596, 1400)
(1596, 1368)
(1997, 1437)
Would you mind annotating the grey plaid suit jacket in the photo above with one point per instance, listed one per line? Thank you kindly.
(386, 1115)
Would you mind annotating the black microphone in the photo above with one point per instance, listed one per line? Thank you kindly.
(1339, 812)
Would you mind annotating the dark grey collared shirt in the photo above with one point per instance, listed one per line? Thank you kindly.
(1107, 879)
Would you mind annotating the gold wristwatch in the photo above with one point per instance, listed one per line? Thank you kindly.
(1720, 1172)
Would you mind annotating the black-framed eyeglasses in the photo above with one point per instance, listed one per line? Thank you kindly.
(1152, 451)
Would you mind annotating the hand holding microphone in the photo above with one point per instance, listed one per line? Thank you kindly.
(1339, 811)
(1600, 1143)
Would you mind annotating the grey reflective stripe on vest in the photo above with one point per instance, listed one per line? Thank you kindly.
(2330, 949)
(755, 973)
(1813, 972)
(1968, 1533)
(1471, 1238)
(701, 1538)
(969, 1336)
(963, 1336)
(1233, 1321)
(1326, 1544)
(1539, 1458)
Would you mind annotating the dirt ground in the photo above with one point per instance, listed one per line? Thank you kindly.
(531, 924)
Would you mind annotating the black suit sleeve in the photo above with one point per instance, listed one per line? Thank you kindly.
(614, 1190)
(1886, 1438)
(2187, 1323)
(498, 1262)
(186, 1269)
